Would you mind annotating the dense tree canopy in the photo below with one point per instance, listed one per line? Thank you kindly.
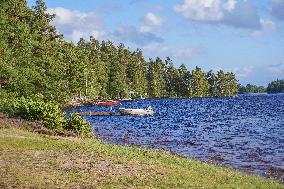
(249, 88)
(276, 86)
(35, 59)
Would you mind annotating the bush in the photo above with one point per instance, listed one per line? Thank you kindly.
(47, 112)
(79, 126)
(6, 102)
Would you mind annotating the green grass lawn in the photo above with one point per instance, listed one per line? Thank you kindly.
(31, 160)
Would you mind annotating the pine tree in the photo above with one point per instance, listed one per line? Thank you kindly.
(199, 83)
(213, 84)
(92, 74)
(232, 85)
(35, 59)
(108, 58)
(136, 77)
(276, 86)
(156, 78)
(117, 72)
(75, 69)
(172, 79)
(185, 85)
(221, 83)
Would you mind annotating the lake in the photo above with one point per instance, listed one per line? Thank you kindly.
(246, 132)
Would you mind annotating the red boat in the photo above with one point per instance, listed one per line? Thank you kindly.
(107, 103)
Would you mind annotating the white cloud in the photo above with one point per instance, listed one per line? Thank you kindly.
(230, 5)
(276, 69)
(144, 29)
(162, 50)
(153, 20)
(75, 24)
(156, 47)
(135, 36)
(238, 14)
(240, 72)
(243, 72)
(76, 35)
(277, 9)
(266, 26)
(200, 10)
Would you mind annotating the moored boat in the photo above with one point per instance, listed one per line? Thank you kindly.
(107, 103)
(131, 111)
(127, 100)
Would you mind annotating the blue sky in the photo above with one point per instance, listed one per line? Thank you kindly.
(243, 36)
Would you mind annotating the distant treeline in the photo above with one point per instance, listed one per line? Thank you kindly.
(249, 88)
(35, 59)
(276, 86)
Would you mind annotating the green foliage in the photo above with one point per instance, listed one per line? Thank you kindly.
(36, 60)
(47, 112)
(213, 84)
(249, 88)
(227, 84)
(199, 83)
(185, 84)
(276, 86)
(117, 87)
(35, 109)
(156, 78)
(78, 126)
(172, 79)
(6, 102)
(136, 74)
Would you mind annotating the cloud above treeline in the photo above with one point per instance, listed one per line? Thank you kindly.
(238, 14)
(151, 22)
(75, 25)
(277, 9)
(134, 35)
(241, 14)
(163, 50)
(243, 72)
(276, 69)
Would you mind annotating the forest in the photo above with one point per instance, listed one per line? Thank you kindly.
(37, 60)
(250, 88)
(276, 86)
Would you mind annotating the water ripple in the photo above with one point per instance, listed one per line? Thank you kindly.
(246, 133)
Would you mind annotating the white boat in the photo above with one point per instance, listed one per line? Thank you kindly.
(142, 98)
(130, 111)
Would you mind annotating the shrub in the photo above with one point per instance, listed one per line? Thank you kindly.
(79, 126)
(47, 112)
(6, 102)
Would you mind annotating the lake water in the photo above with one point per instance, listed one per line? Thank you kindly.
(246, 132)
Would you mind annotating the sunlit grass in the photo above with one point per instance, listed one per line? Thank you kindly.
(41, 161)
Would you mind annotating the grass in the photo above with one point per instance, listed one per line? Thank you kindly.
(31, 160)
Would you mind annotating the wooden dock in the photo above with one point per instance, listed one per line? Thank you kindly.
(95, 113)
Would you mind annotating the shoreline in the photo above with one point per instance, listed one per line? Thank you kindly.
(275, 173)
(114, 165)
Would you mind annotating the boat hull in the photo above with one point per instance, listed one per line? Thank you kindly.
(111, 103)
(124, 111)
